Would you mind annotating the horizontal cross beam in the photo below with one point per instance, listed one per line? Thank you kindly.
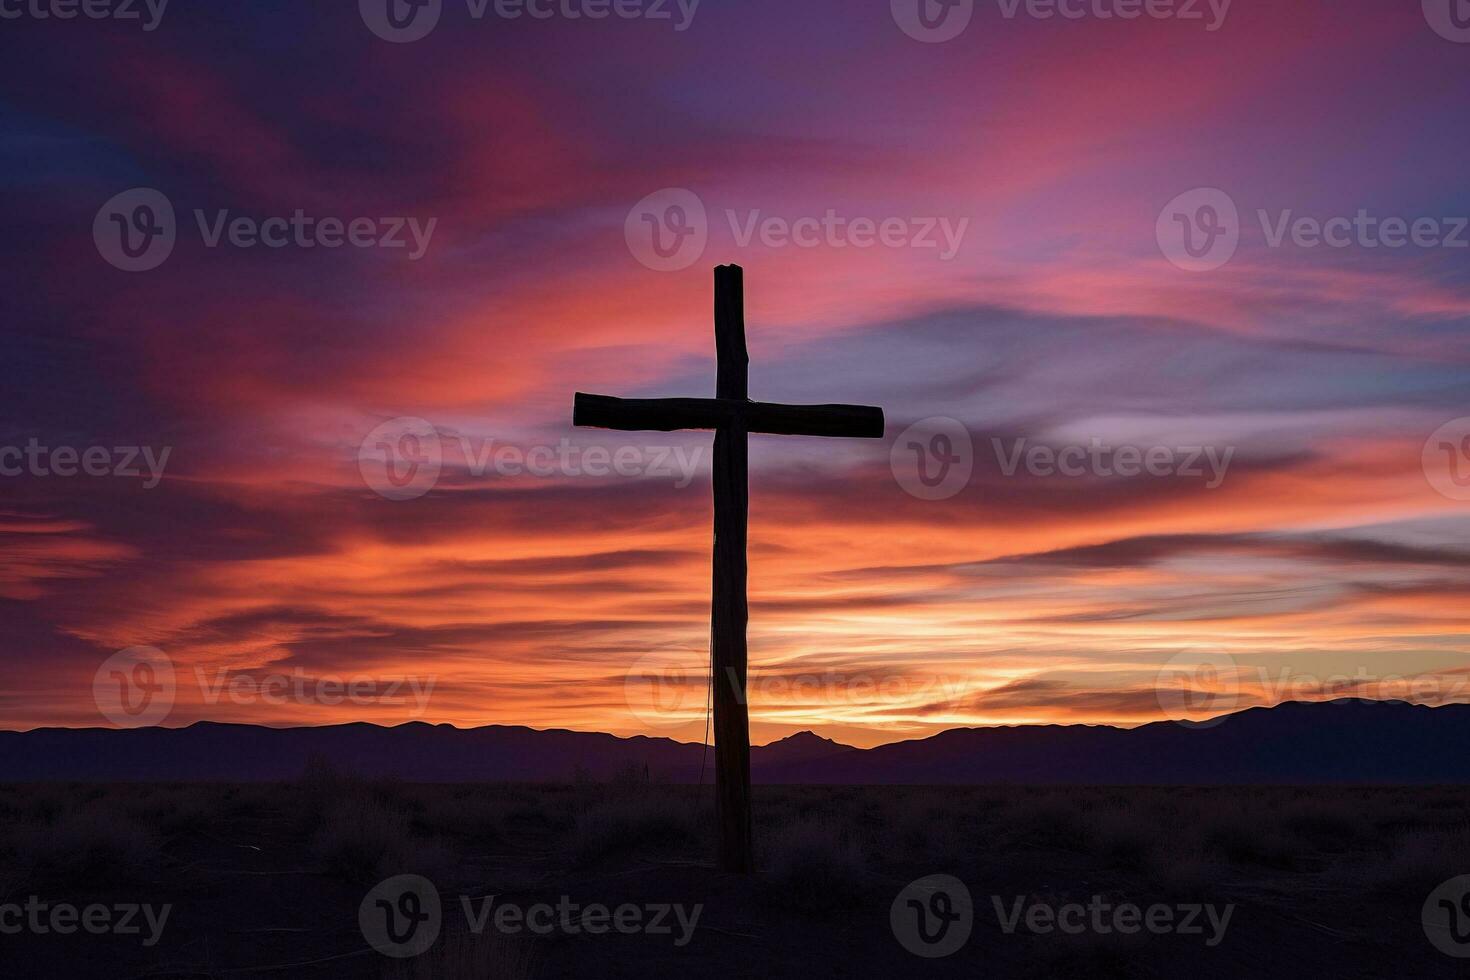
(669, 414)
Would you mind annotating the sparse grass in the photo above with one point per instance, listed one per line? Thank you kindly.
(621, 822)
(1123, 839)
(91, 846)
(1351, 858)
(813, 866)
(173, 808)
(1413, 862)
(1048, 820)
(360, 843)
(361, 829)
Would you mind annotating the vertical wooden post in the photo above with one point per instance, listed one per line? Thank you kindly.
(729, 613)
(732, 415)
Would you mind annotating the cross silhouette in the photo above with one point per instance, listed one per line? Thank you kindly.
(732, 416)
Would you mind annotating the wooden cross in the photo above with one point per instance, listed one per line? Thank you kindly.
(732, 415)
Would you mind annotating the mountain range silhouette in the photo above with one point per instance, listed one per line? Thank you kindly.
(1328, 742)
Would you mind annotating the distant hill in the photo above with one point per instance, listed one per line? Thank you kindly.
(1343, 741)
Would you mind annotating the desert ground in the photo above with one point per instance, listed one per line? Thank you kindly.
(267, 880)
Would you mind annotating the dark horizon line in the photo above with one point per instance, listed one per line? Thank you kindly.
(1185, 722)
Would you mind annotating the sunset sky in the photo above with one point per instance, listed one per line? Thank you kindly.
(1323, 552)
